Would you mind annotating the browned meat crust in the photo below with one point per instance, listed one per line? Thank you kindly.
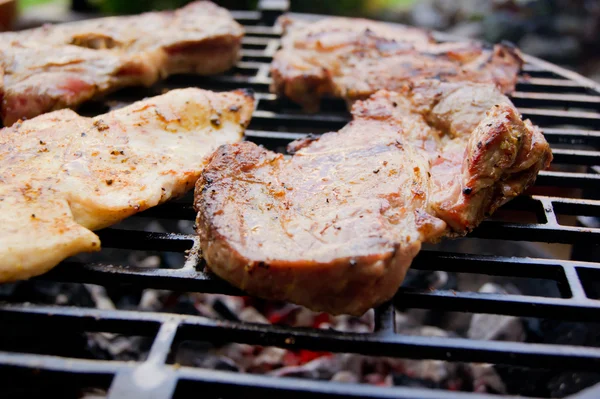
(61, 66)
(63, 175)
(335, 227)
(353, 58)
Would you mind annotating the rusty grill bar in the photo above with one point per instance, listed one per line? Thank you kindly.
(564, 104)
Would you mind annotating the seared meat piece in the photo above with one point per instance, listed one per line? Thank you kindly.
(336, 227)
(353, 58)
(60, 66)
(63, 175)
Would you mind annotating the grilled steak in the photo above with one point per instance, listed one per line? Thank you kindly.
(63, 175)
(61, 66)
(336, 227)
(353, 58)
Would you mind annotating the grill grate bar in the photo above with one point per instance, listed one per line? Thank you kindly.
(533, 99)
(578, 157)
(572, 136)
(133, 239)
(575, 286)
(192, 280)
(127, 383)
(550, 116)
(394, 345)
(333, 121)
(385, 319)
(514, 305)
(536, 232)
(568, 179)
(233, 383)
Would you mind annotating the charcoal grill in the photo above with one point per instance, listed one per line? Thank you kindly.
(564, 104)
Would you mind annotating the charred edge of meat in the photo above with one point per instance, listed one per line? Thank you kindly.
(247, 92)
(299, 144)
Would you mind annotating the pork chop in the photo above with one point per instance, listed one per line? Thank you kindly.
(335, 227)
(61, 66)
(63, 175)
(353, 58)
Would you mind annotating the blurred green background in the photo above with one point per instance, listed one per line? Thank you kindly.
(340, 7)
(566, 32)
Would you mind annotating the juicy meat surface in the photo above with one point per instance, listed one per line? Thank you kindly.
(61, 66)
(62, 175)
(336, 226)
(353, 58)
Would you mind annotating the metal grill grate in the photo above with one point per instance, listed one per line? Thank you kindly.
(565, 105)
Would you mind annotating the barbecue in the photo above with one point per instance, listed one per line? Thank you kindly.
(45, 339)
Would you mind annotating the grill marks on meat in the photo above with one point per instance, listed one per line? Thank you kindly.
(336, 226)
(61, 66)
(353, 58)
(63, 175)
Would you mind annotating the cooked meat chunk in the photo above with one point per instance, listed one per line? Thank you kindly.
(335, 227)
(63, 175)
(61, 66)
(353, 58)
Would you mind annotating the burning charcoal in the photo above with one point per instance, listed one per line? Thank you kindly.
(496, 327)
(304, 317)
(251, 315)
(118, 347)
(181, 304)
(93, 393)
(486, 379)
(241, 354)
(524, 381)
(186, 227)
(322, 368)
(7, 290)
(287, 314)
(378, 379)
(404, 321)
(189, 351)
(426, 280)
(101, 299)
(228, 304)
(406, 381)
(150, 262)
(425, 331)
(562, 332)
(49, 292)
(429, 280)
(151, 299)
(326, 367)
(345, 376)
(269, 358)
(173, 260)
(436, 371)
(216, 363)
(224, 310)
(352, 324)
(569, 383)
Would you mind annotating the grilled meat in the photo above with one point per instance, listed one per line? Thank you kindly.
(336, 227)
(63, 175)
(61, 66)
(353, 58)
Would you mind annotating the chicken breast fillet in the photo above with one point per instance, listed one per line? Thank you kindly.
(336, 227)
(63, 175)
(61, 66)
(353, 58)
